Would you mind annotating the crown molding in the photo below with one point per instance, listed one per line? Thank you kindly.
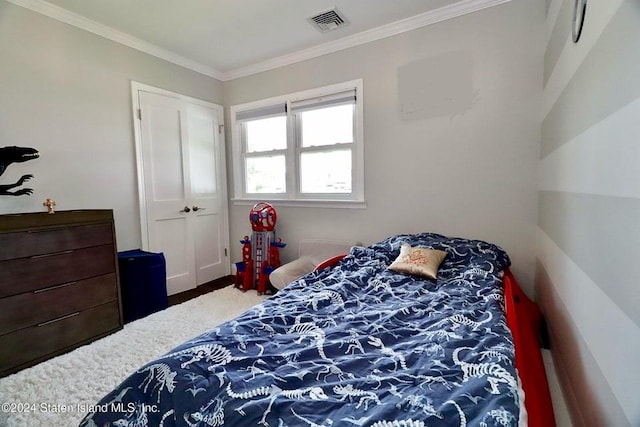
(63, 15)
(457, 9)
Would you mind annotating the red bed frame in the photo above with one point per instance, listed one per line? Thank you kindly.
(524, 319)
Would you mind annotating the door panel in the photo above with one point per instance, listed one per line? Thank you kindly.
(209, 250)
(205, 177)
(163, 136)
(165, 150)
(172, 237)
(202, 155)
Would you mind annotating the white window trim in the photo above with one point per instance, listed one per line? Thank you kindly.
(293, 197)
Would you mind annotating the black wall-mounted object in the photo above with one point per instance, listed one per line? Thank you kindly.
(13, 154)
(579, 12)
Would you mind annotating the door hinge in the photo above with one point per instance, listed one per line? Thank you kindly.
(220, 127)
(225, 252)
(139, 114)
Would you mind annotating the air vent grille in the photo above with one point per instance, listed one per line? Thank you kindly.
(329, 20)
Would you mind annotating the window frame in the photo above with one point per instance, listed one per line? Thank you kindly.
(294, 150)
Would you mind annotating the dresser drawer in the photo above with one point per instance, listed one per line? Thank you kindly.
(47, 241)
(31, 308)
(29, 345)
(28, 274)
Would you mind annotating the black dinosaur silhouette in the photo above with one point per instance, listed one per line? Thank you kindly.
(14, 154)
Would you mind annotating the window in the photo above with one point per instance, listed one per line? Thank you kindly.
(303, 148)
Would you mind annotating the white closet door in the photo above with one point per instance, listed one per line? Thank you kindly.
(183, 180)
(208, 199)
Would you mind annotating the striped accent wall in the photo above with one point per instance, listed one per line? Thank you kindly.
(588, 242)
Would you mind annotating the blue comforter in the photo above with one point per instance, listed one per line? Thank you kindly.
(356, 345)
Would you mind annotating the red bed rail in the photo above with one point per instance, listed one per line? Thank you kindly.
(329, 262)
(524, 319)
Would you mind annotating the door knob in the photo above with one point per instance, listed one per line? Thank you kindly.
(186, 209)
(196, 208)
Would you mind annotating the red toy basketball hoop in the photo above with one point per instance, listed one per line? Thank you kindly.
(263, 217)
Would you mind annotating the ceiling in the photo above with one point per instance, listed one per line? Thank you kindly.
(231, 38)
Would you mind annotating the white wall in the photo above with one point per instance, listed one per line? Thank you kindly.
(67, 93)
(470, 174)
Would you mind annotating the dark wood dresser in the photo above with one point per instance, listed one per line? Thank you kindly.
(59, 285)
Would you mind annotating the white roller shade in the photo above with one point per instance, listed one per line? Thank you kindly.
(340, 98)
(262, 113)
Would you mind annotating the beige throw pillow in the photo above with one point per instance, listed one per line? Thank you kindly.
(419, 261)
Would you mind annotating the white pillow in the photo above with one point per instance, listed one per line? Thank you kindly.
(419, 261)
(285, 274)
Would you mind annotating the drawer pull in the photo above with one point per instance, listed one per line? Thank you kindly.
(50, 288)
(45, 230)
(51, 254)
(58, 319)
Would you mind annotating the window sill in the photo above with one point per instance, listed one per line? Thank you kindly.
(305, 203)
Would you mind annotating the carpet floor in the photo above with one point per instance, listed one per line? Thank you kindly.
(56, 392)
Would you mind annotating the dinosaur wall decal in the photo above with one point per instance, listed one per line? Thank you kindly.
(14, 154)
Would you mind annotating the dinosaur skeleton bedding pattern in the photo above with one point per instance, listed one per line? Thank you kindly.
(355, 345)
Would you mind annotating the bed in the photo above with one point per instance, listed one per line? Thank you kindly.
(358, 344)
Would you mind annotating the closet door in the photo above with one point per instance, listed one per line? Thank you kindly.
(182, 178)
(207, 195)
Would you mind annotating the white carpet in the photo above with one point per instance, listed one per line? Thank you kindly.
(85, 375)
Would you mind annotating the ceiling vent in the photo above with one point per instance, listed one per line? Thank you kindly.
(329, 20)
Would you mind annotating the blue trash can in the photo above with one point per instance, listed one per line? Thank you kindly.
(143, 283)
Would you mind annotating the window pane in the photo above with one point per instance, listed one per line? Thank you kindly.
(327, 126)
(265, 174)
(266, 134)
(326, 172)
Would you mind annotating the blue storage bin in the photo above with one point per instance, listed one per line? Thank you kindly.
(143, 283)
